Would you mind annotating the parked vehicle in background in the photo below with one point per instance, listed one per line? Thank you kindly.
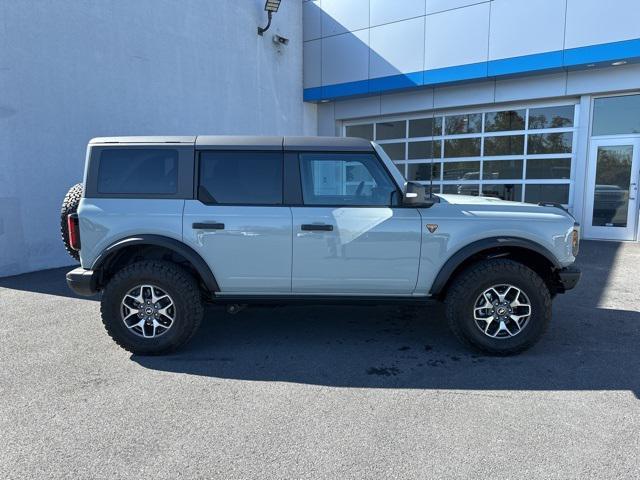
(165, 224)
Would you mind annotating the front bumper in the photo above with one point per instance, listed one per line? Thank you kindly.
(568, 277)
(83, 282)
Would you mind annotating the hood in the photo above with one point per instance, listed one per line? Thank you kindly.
(475, 200)
(492, 206)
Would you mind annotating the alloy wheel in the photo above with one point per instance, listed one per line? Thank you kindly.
(502, 311)
(148, 311)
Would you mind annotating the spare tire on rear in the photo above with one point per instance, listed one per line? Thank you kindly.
(69, 206)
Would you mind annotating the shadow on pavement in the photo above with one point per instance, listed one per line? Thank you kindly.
(48, 282)
(587, 347)
(401, 348)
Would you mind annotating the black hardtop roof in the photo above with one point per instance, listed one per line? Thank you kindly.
(246, 142)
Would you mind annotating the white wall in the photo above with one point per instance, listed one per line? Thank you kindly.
(72, 70)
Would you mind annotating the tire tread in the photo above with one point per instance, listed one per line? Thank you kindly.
(188, 323)
(69, 206)
(474, 274)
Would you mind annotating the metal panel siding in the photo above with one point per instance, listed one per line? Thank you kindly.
(326, 119)
(402, 10)
(435, 6)
(465, 44)
(397, 48)
(527, 63)
(591, 22)
(311, 20)
(345, 58)
(312, 68)
(340, 16)
(532, 87)
(357, 107)
(406, 101)
(455, 74)
(477, 93)
(510, 35)
(623, 50)
(625, 77)
(464, 41)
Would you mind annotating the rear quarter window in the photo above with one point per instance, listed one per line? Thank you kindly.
(138, 171)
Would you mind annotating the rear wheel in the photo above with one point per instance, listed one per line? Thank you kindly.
(499, 306)
(151, 307)
(69, 206)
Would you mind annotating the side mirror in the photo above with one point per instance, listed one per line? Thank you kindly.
(416, 194)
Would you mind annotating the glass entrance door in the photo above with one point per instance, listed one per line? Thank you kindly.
(612, 189)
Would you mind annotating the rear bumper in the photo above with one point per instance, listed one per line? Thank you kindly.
(82, 282)
(568, 277)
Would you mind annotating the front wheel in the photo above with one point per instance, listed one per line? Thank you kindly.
(499, 306)
(151, 307)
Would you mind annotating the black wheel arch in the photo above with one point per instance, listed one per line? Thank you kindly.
(123, 250)
(528, 252)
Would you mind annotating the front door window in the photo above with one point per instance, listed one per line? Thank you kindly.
(345, 179)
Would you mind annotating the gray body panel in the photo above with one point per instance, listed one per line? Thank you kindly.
(104, 221)
(252, 254)
(371, 250)
(262, 250)
(461, 224)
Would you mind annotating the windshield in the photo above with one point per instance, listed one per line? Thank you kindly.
(397, 176)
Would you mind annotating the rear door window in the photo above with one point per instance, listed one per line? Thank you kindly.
(138, 171)
(241, 177)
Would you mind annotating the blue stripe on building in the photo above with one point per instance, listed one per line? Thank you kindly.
(598, 55)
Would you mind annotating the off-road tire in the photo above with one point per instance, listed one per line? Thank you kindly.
(469, 285)
(171, 278)
(69, 206)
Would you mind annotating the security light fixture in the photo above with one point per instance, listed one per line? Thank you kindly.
(271, 7)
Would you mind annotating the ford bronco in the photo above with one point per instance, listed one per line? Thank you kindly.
(162, 225)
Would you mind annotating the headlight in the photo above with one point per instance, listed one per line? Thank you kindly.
(575, 240)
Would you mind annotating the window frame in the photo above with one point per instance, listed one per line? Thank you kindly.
(592, 103)
(185, 189)
(439, 184)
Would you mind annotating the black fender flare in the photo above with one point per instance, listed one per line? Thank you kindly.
(478, 246)
(161, 241)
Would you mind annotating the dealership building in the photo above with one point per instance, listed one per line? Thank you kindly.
(528, 100)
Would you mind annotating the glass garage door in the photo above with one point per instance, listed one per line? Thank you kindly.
(521, 154)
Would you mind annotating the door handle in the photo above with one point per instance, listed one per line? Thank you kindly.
(320, 227)
(208, 226)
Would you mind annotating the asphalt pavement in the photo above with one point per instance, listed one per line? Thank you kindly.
(323, 391)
